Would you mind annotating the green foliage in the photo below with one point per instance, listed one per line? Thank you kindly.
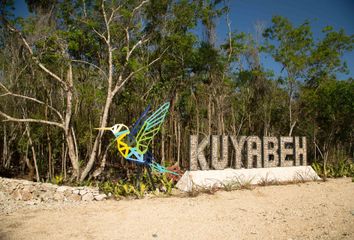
(330, 108)
(167, 184)
(118, 189)
(213, 89)
(137, 188)
(293, 44)
(325, 59)
(58, 179)
(232, 185)
(342, 168)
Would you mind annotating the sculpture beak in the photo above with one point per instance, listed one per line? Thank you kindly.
(104, 128)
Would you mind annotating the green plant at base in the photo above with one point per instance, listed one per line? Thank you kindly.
(140, 191)
(134, 187)
(122, 189)
(167, 184)
(318, 168)
(342, 168)
(107, 187)
(231, 185)
(58, 179)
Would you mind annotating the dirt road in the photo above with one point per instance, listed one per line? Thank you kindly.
(317, 210)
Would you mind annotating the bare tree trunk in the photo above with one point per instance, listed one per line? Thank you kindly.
(222, 120)
(292, 123)
(70, 141)
(63, 158)
(170, 142)
(95, 148)
(50, 162)
(50, 157)
(197, 111)
(219, 103)
(5, 150)
(28, 164)
(179, 143)
(162, 147)
(209, 115)
(315, 151)
(99, 170)
(9, 138)
(33, 152)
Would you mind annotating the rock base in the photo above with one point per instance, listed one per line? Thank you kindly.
(220, 178)
(22, 190)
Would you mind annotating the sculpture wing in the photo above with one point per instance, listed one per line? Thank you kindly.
(137, 125)
(151, 127)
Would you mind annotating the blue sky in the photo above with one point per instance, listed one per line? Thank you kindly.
(245, 13)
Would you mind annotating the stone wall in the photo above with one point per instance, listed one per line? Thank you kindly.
(22, 190)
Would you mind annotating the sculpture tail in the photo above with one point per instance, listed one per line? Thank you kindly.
(157, 167)
(150, 160)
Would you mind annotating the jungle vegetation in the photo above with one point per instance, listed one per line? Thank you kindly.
(71, 66)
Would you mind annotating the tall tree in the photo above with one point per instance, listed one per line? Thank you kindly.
(290, 46)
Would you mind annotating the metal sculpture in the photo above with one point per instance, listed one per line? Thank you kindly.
(133, 144)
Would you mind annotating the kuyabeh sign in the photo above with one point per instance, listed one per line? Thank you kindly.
(246, 152)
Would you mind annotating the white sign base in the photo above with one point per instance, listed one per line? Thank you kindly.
(220, 178)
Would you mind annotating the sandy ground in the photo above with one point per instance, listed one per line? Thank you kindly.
(316, 210)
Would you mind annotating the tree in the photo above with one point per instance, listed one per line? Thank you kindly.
(293, 46)
(328, 111)
(119, 28)
(326, 57)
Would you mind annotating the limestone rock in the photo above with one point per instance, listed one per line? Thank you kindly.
(26, 195)
(76, 191)
(62, 188)
(58, 196)
(46, 196)
(87, 197)
(74, 198)
(100, 197)
(33, 202)
(25, 182)
(16, 195)
(83, 192)
(2, 196)
(67, 192)
(29, 188)
(35, 192)
(47, 186)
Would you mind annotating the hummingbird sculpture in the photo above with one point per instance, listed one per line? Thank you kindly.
(133, 144)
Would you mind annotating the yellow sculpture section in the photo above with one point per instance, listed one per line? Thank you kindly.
(123, 148)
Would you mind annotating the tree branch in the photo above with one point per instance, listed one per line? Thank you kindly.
(108, 40)
(92, 65)
(44, 68)
(139, 6)
(120, 84)
(13, 119)
(112, 14)
(100, 34)
(9, 93)
(140, 42)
